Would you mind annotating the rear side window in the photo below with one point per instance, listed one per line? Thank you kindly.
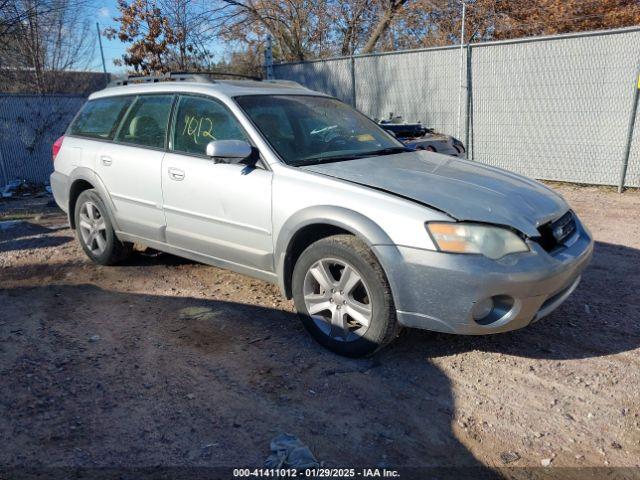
(146, 122)
(100, 118)
(200, 121)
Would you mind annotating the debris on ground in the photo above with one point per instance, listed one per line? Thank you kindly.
(256, 340)
(10, 188)
(197, 313)
(289, 452)
(23, 188)
(509, 457)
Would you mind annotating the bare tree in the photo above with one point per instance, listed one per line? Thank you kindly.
(48, 38)
(519, 18)
(424, 23)
(388, 12)
(167, 34)
(187, 23)
(300, 28)
(351, 22)
(163, 35)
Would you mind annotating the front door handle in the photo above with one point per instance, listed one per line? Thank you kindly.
(106, 161)
(176, 174)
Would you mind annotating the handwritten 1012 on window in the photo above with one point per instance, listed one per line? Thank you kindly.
(198, 127)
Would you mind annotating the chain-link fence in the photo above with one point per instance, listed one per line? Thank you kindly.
(554, 108)
(29, 124)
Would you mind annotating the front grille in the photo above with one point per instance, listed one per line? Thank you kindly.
(555, 233)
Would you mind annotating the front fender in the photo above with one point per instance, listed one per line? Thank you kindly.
(356, 223)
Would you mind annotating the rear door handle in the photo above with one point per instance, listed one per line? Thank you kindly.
(176, 174)
(106, 160)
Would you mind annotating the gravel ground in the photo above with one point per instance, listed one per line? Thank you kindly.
(161, 361)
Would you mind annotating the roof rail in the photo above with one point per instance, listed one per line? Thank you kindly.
(214, 73)
(196, 76)
(290, 83)
(167, 77)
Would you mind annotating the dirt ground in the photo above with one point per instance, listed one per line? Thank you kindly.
(162, 361)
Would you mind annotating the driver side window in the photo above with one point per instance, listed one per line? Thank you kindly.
(201, 120)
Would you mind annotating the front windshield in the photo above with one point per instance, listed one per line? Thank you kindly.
(306, 130)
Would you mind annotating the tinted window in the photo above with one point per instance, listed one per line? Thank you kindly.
(100, 118)
(313, 129)
(146, 122)
(200, 121)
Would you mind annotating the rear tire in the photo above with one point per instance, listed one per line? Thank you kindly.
(343, 297)
(95, 230)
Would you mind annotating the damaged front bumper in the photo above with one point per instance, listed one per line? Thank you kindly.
(440, 291)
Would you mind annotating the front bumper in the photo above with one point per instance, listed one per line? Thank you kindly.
(437, 291)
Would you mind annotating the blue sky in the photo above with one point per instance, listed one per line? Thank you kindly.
(103, 12)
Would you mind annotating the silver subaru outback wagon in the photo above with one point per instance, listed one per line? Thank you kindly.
(294, 187)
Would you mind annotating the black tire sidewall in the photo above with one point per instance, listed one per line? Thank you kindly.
(111, 250)
(382, 304)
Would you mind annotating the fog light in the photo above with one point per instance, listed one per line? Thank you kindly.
(482, 309)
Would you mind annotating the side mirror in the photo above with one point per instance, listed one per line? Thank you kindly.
(231, 151)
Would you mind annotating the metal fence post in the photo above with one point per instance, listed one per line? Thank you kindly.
(469, 108)
(268, 59)
(632, 123)
(104, 65)
(353, 82)
(464, 9)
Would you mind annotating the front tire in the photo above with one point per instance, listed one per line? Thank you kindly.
(343, 297)
(95, 230)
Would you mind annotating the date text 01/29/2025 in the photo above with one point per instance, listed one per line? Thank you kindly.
(329, 473)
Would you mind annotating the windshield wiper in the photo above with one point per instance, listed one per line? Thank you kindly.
(386, 151)
(316, 161)
(351, 156)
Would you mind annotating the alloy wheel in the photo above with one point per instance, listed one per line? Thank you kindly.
(337, 299)
(93, 228)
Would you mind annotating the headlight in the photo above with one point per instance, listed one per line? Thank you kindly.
(458, 143)
(492, 242)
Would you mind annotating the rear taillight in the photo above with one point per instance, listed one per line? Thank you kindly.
(57, 145)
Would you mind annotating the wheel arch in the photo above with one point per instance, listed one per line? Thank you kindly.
(312, 224)
(82, 179)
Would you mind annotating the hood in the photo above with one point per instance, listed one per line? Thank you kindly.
(462, 189)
